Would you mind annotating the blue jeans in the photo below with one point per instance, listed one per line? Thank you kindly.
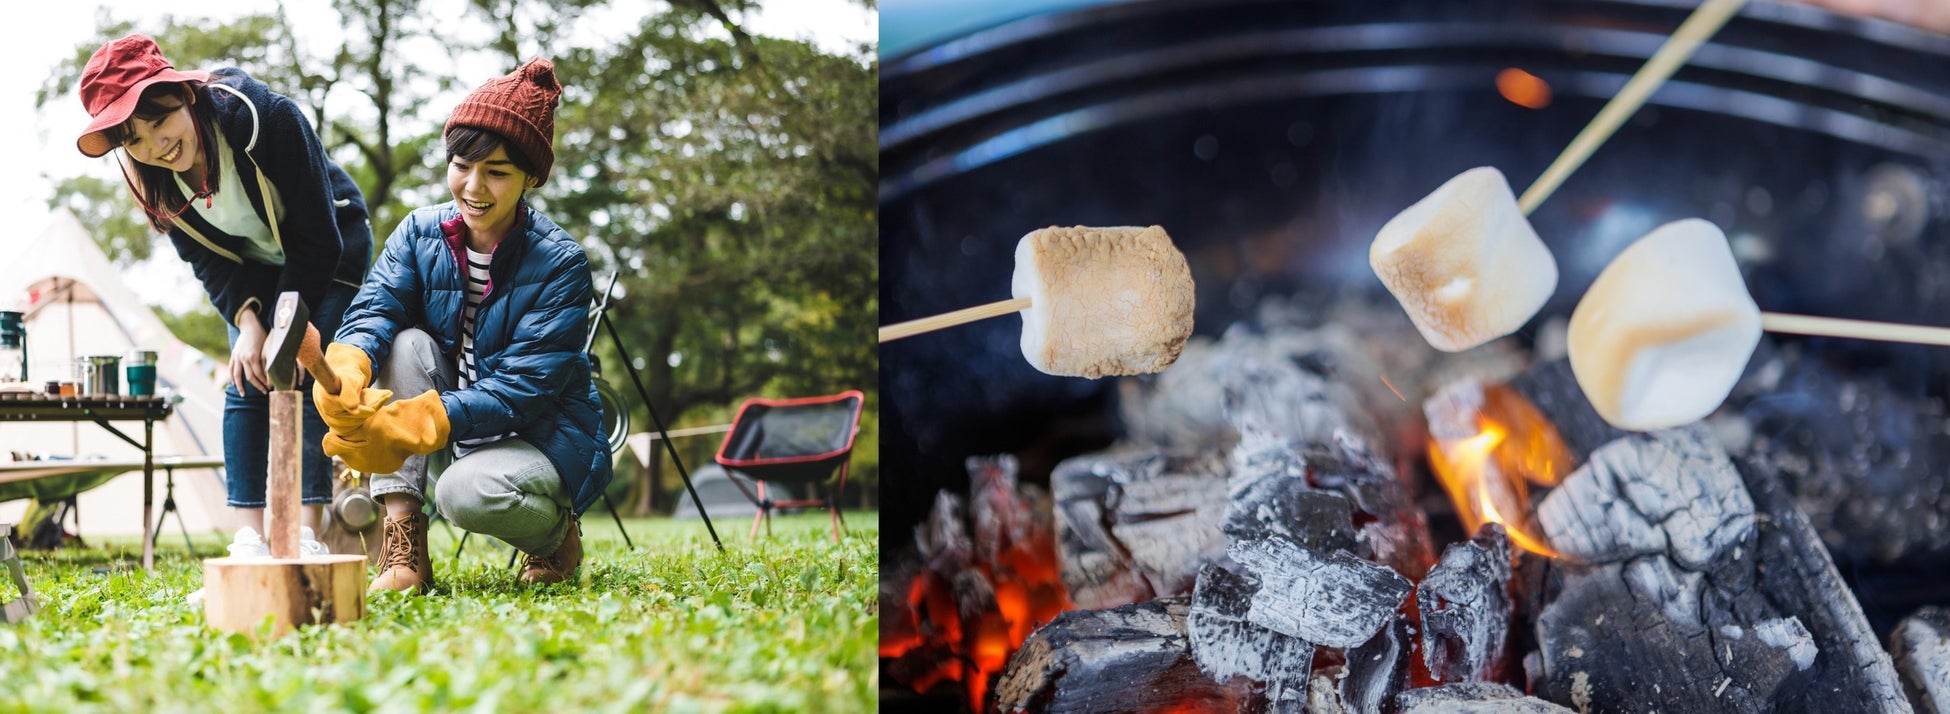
(247, 424)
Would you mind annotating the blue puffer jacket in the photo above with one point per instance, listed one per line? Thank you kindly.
(527, 337)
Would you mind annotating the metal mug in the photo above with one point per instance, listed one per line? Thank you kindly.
(100, 374)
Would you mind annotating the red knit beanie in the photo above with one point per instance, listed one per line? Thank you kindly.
(521, 108)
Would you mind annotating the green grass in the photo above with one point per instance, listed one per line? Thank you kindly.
(783, 624)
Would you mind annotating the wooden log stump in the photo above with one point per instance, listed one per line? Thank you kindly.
(239, 593)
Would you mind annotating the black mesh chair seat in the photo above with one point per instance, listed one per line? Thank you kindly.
(793, 441)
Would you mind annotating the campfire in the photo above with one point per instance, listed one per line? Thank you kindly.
(1276, 552)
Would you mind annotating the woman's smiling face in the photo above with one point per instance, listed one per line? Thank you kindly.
(168, 141)
(487, 191)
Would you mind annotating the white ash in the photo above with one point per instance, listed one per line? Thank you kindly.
(1338, 600)
(1788, 634)
(1174, 409)
(1671, 492)
(1472, 698)
(1921, 646)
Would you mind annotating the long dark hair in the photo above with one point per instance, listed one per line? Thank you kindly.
(154, 186)
(474, 145)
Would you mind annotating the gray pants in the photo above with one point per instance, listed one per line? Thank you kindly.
(506, 489)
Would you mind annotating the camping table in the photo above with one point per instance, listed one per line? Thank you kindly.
(102, 409)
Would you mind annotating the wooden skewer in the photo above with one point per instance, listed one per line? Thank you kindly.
(1695, 31)
(1854, 329)
(950, 319)
(1692, 33)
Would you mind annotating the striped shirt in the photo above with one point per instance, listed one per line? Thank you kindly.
(477, 283)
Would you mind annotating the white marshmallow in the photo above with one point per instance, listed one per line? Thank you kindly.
(1103, 301)
(1666, 330)
(1464, 262)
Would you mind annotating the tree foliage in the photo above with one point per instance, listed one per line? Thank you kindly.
(728, 177)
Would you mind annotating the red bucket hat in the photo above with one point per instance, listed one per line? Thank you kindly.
(113, 83)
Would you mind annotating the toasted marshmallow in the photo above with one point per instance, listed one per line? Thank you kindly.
(1464, 262)
(1666, 330)
(1103, 301)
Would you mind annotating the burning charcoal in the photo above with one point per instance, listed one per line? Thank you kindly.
(943, 538)
(1322, 697)
(1007, 516)
(1338, 600)
(1137, 524)
(1396, 532)
(1473, 698)
(1227, 645)
(1465, 604)
(1376, 670)
(1921, 646)
(1124, 659)
(1862, 458)
(1671, 492)
(1288, 507)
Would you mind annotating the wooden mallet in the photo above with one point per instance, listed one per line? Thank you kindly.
(240, 593)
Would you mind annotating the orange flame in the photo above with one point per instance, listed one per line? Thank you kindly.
(1486, 474)
(1523, 88)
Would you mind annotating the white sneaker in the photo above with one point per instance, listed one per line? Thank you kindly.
(249, 545)
(308, 543)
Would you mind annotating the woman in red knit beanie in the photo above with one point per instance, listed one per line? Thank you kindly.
(477, 311)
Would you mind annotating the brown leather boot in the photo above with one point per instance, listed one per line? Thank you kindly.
(406, 566)
(559, 565)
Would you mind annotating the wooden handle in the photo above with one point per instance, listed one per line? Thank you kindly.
(1854, 329)
(312, 358)
(287, 457)
(950, 319)
(1692, 33)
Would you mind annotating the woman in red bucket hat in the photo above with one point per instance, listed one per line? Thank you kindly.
(201, 151)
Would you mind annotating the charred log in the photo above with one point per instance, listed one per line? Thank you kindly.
(1689, 588)
(1860, 457)
(1134, 658)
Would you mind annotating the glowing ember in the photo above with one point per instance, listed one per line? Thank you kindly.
(1486, 474)
(1523, 88)
(975, 603)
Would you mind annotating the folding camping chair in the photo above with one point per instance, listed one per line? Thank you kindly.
(793, 441)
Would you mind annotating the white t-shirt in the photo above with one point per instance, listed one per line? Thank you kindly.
(230, 210)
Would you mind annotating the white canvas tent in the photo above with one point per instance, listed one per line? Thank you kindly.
(77, 303)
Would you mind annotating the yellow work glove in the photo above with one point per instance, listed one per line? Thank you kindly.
(402, 429)
(354, 402)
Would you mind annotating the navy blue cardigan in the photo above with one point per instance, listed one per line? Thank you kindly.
(324, 227)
